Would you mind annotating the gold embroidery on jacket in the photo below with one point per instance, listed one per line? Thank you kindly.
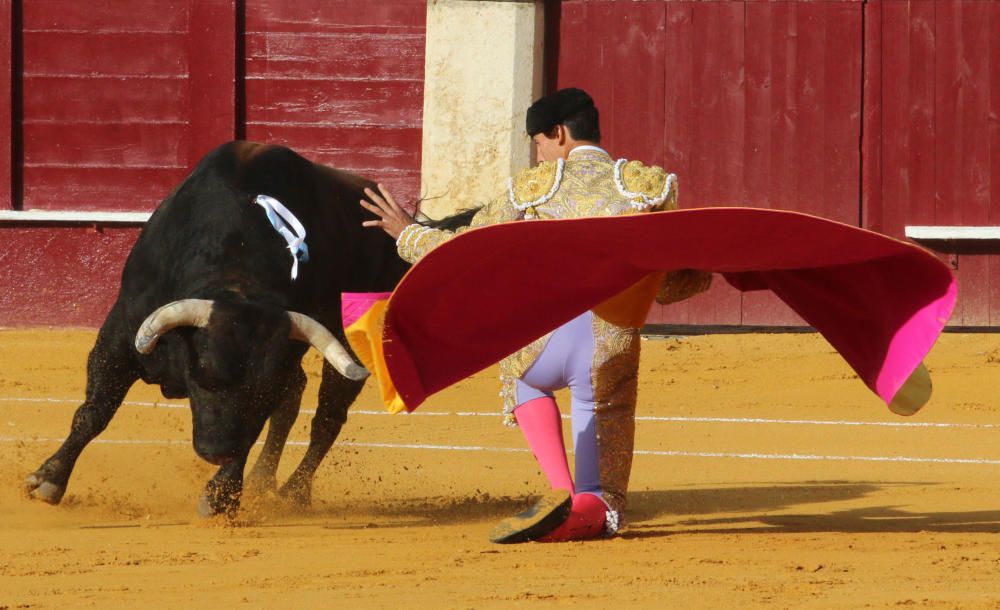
(615, 378)
(536, 185)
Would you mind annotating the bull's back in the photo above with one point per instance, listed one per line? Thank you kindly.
(208, 234)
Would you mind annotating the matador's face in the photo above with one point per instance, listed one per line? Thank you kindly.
(548, 147)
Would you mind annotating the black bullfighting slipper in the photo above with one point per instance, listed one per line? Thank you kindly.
(544, 516)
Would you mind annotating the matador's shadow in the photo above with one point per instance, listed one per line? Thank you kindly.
(648, 509)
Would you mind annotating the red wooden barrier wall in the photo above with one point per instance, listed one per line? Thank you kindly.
(932, 151)
(341, 82)
(113, 102)
(752, 103)
(881, 113)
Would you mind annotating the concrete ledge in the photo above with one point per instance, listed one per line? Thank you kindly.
(70, 217)
(957, 240)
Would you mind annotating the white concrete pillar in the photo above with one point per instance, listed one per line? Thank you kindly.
(483, 68)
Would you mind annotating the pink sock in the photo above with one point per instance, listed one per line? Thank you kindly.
(584, 522)
(542, 427)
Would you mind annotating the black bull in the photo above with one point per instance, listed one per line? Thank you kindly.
(232, 349)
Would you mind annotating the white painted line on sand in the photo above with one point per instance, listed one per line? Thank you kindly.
(694, 454)
(496, 414)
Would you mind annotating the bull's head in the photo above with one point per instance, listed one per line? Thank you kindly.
(236, 371)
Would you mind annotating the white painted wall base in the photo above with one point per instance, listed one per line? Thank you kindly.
(47, 216)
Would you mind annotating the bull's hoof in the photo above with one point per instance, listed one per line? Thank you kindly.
(298, 494)
(216, 501)
(38, 488)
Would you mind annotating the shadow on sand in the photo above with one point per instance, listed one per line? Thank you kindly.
(650, 512)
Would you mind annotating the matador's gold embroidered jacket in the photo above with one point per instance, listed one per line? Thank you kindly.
(589, 183)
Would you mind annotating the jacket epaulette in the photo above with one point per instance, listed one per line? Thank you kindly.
(535, 185)
(644, 186)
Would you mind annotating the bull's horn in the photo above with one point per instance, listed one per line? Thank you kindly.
(186, 312)
(312, 332)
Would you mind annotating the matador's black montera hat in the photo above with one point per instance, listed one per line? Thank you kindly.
(555, 108)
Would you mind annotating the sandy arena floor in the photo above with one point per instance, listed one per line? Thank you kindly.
(767, 476)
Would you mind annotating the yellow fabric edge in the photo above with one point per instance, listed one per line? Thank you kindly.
(630, 307)
(365, 338)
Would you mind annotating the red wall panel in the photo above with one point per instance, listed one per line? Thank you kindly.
(6, 105)
(341, 82)
(120, 101)
(122, 98)
(58, 277)
(749, 103)
(933, 95)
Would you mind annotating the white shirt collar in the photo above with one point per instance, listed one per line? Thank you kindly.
(588, 147)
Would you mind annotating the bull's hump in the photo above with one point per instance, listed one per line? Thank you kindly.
(248, 151)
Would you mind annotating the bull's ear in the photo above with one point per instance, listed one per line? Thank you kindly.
(186, 312)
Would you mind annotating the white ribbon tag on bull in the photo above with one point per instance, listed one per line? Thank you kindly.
(289, 227)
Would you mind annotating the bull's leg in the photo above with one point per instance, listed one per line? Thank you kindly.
(336, 393)
(262, 477)
(111, 371)
(222, 493)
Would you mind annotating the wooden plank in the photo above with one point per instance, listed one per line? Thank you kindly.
(678, 129)
(333, 103)
(7, 169)
(327, 15)
(974, 198)
(138, 16)
(106, 144)
(918, 204)
(993, 69)
(572, 46)
(599, 81)
(770, 37)
(783, 118)
(960, 155)
(872, 216)
(718, 108)
(212, 79)
(842, 70)
(356, 146)
(341, 82)
(105, 100)
(98, 188)
(721, 304)
(807, 97)
(637, 119)
(994, 129)
(898, 95)
(948, 150)
(759, 68)
(73, 271)
(355, 55)
(92, 54)
(677, 91)
(820, 110)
